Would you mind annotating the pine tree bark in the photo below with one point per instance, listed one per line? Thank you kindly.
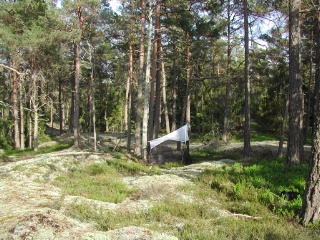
(174, 96)
(317, 70)
(21, 111)
(228, 86)
(310, 211)
(247, 148)
(188, 76)
(92, 99)
(130, 96)
(76, 111)
(34, 104)
(295, 135)
(15, 109)
(61, 120)
(283, 128)
(147, 89)
(157, 106)
(164, 95)
(138, 140)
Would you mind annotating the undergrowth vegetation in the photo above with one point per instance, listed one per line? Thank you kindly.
(230, 202)
(237, 201)
(41, 150)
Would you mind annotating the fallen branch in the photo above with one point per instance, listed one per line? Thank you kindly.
(245, 216)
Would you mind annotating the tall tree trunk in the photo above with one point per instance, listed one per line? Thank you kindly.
(317, 70)
(76, 112)
(188, 76)
(147, 88)
(152, 90)
(158, 70)
(30, 126)
(61, 120)
(22, 135)
(130, 97)
(92, 99)
(15, 109)
(185, 116)
(174, 96)
(35, 128)
(310, 211)
(34, 102)
(308, 113)
(164, 95)
(71, 119)
(106, 108)
(126, 104)
(283, 128)
(295, 136)
(228, 86)
(247, 147)
(138, 139)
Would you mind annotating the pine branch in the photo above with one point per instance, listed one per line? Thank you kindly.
(10, 68)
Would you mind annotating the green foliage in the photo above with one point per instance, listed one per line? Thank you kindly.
(259, 184)
(6, 141)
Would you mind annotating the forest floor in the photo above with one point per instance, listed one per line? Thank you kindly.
(32, 208)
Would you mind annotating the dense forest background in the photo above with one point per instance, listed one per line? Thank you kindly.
(224, 67)
(150, 67)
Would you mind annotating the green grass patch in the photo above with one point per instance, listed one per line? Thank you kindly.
(259, 185)
(98, 181)
(257, 137)
(210, 154)
(191, 221)
(131, 167)
(169, 165)
(42, 150)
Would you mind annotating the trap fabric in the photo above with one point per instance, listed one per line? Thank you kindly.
(179, 135)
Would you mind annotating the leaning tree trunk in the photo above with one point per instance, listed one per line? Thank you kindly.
(247, 147)
(295, 136)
